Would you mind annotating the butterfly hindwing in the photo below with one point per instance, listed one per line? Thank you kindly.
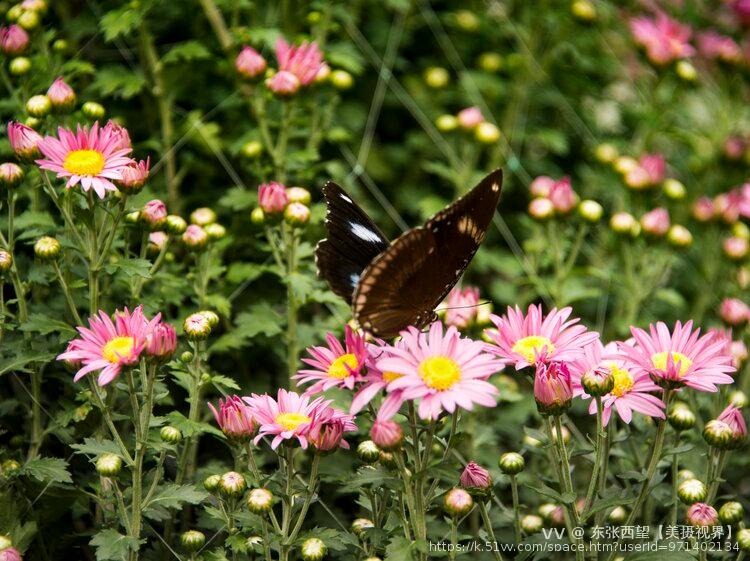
(407, 281)
(353, 242)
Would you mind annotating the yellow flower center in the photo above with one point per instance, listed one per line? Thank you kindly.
(533, 345)
(390, 376)
(118, 348)
(659, 360)
(291, 421)
(84, 162)
(623, 380)
(439, 372)
(338, 368)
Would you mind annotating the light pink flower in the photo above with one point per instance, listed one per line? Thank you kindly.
(328, 428)
(154, 213)
(475, 476)
(562, 196)
(283, 83)
(541, 186)
(702, 514)
(735, 247)
(194, 236)
(714, 45)
(24, 140)
(290, 416)
(386, 434)
(470, 117)
(541, 208)
(120, 134)
(90, 157)
(680, 358)
(656, 222)
(664, 38)
(461, 306)
(553, 390)
(161, 341)
(134, 176)
(272, 197)
(303, 61)
(734, 311)
(732, 416)
(336, 365)
(654, 165)
(729, 205)
(374, 381)
(703, 209)
(524, 339)
(13, 40)
(10, 554)
(234, 417)
(61, 95)
(109, 346)
(250, 63)
(442, 370)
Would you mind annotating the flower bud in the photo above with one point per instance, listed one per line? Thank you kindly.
(6, 261)
(28, 20)
(368, 451)
(250, 63)
(681, 417)
(211, 483)
(674, 189)
(606, 153)
(387, 459)
(541, 208)
(487, 133)
(232, 484)
(490, 62)
(731, 513)
(436, 77)
(13, 40)
(47, 248)
(175, 224)
(133, 218)
(717, 433)
(470, 118)
(93, 110)
(19, 66)
(617, 515)
(511, 463)
(134, 177)
(257, 216)
(679, 236)
(597, 383)
(553, 391)
(701, 514)
(387, 435)
(259, 500)
(272, 197)
(624, 223)
(458, 502)
(296, 214)
(743, 539)
(738, 399)
(252, 149)
(361, 525)
(194, 237)
(590, 211)
(186, 357)
(203, 216)
(108, 465)
(313, 549)
(684, 475)
(170, 434)
(197, 326)
(38, 106)
(341, 79)
(625, 164)
(324, 74)
(24, 141)
(9, 467)
(545, 510)
(60, 46)
(476, 480)
(10, 175)
(154, 214)
(686, 71)
(10, 554)
(215, 231)
(254, 544)
(283, 84)
(692, 491)
(446, 123)
(656, 222)
(61, 96)
(466, 20)
(704, 209)
(5, 542)
(192, 540)
(298, 195)
(583, 10)
(736, 248)
(531, 524)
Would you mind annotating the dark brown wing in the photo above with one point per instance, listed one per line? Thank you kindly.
(353, 242)
(406, 282)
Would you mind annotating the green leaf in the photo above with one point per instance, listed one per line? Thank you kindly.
(111, 545)
(399, 549)
(186, 52)
(118, 81)
(245, 272)
(19, 362)
(130, 267)
(47, 469)
(95, 447)
(238, 198)
(40, 323)
(189, 428)
(120, 22)
(224, 382)
(172, 495)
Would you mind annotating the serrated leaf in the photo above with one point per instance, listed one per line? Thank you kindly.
(19, 362)
(95, 447)
(399, 549)
(40, 323)
(47, 469)
(120, 22)
(130, 267)
(186, 52)
(238, 198)
(119, 81)
(245, 272)
(172, 495)
(111, 545)
(189, 428)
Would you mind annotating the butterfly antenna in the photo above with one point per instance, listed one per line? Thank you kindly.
(486, 302)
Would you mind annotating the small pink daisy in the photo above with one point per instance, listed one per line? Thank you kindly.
(336, 365)
(289, 416)
(374, 381)
(630, 392)
(523, 340)
(92, 157)
(109, 346)
(680, 358)
(303, 61)
(328, 427)
(442, 371)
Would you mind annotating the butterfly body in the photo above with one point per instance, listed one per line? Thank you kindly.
(394, 285)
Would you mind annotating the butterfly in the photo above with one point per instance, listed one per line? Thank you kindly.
(392, 285)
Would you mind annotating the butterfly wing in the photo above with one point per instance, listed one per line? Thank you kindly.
(353, 242)
(407, 281)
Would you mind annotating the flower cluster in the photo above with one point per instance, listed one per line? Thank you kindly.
(276, 200)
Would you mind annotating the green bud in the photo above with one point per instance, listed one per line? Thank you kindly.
(531, 524)
(686, 71)
(313, 549)
(368, 452)
(674, 189)
(60, 46)
(692, 491)
(47, 248)
(511, 463)
(731, 513)
(257, 216)
(718, 434)
(259, 500)
(738, 399)
(252, 149)
(28, 20)
(5, 542)
(606, 153)
(93, 110)
(14, 12)
(597, 384)
(341, 79)
(108, 465)
(360, 525)
(743, 539)
(215, 231)
(186, 357)
(175, 225)
(192, 540)
(681, 417)
(458, 502)
(232, 484)
(617, 515)
(467, 20)
(9, 467)
(6, 261)
(38, 106)
(490, 62)
(19, 66)
(211, 483)
(583, 10)
(590, 211)
(387, 459)
(436, 77)
(684, 475)
(170, 434)
(446, 123)
(487, 133)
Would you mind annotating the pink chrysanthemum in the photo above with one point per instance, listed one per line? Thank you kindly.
(303, 61)
(289, 416)
(630, 392)
(234, 417)
(109, 346)
(442, 370)
(374, 381)
(336, 365)
(664, 38)
(523, 340)
(461, 306)
(92, 157)
(328, 427)
(680, 358)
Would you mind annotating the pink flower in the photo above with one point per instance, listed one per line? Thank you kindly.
(120, 134)
(290, 416)
(742, 10)
(249, 63)
(154, 213)
(13, 40)
(663, 38)
(734, 311)
(375, 380)
(703, 209)
(562, 196)
(732, 416)
(161, 341)
(523, 340)
(475, 477)
(702, 514)
(680, 358)
(541, 186)
(272, 197)
(734, 147)
(629, 393)
(303, 61)
(654, 165)
(386, 434)
(10, 554)
(553, 390)
(24, 140)
(541, 208)
(656, 222)
(714, 45)
(470, 117)
(728, 205)
(194, 236)
(134, 176)
(283, 83)
(90, 157)
(328, 427)
(442, 370)
(234, 417)
(336, 365)
(109, 346)
(461, 306)
(61, 95)
(735, 247)
(157, 240)
(10, 174)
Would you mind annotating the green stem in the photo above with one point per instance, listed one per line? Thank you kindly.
(516, 508)
(311, 484)
(715, 481)
(216, 20)
(66, 291)
(291, 240)
(107, 415)
(675, 469)
(490, 532)
(601, 435)
(454, 538)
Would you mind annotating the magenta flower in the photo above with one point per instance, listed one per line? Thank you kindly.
(386, 434)
(234, 417)
(470, 117)
(680, 358)
(656, 222)
(663, 38)
(336, 365)
(134, 176)
(702, 514)
(288, 417)
(553, 390)
(732, 416)
(734, 311)
(461, 306)
(120, 134)
(562, 196)
(10, 554)
(442, 370)
(373, 381)
(272, 197)
(161, 341)
(475, 477)
(24, 141)
(541, 186)
(703, 209)
(249, 63)
(729, 205)
(328, 428)
(303, 61)
(13, 40)
(713, 45)
(629, 393)
(61, 95)
(90, 157)
(524, 339)
(283, 83)
(154, 213)
(109, 346)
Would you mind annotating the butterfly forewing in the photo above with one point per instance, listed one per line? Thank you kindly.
(353, 242)
(406, 282)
